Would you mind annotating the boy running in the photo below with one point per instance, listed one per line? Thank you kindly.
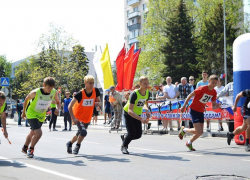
(245, 112)
(81, 110)
(202, 95)
(3, 108)
(40, 100)
(132, 113)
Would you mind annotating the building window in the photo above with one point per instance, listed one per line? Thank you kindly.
(144, 6)
(136, 9)
(134, 33)
(127, 13)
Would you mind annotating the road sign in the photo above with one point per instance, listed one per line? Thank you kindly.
(5, 90)
(5, 81)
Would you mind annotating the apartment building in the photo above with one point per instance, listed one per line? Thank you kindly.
(135, 12)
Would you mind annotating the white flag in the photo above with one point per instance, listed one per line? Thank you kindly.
(98, 67)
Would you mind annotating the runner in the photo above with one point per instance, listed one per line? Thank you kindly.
(132, 113)
(202, 95)
(3, 109)
(40, 100)
(81, 110)
(245, 112)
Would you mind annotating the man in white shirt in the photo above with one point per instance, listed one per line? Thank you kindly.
(218, 89)
(169, 93)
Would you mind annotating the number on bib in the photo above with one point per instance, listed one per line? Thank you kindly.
(88, 102)
(43, 105)
(140, 102)
(205, 98)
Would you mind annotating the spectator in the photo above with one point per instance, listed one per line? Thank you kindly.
(137, 86)
(107, 107)
(204, 82)
(160, 93)
(169, 93)
(53, 116)
(191, 81)
(124, 102)
(117, 107)
(95, 115)
(19, 108)
(228, 90)
(184, 90)
(67, 117)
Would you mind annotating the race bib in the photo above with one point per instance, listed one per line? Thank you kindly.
(205, 98)
(43, 105)
(140, 103)
(88, 102)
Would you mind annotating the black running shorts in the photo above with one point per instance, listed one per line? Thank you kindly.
(35, 124)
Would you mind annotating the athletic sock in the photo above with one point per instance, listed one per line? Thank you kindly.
(25, 147)
(78, 144)
(70, 144)
(247, 142)
(31, 148)
(184, 130)
(189, 142)
(231, 134)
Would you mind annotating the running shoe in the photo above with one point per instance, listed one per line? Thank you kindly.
(124, 150)
(24, 150)
(104, 123)
(64, 129)
(190, 146)
(208, 130)
(149, 125)
(247, 148)
(181, 133)
(76, 150)
(30, 153)
(229, 137)
(171, 129)
(179, 129)
(69, 148)
(221, 129)
(55, 129)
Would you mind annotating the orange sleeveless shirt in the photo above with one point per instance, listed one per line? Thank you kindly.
(83, 110)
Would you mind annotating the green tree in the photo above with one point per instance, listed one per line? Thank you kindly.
(211, 43)
(79, 68)
(179, 49)
(5, 67)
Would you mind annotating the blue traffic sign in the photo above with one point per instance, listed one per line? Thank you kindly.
(5, 81)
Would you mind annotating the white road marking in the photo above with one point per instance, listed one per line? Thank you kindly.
(41, 169)
(189, 154)
(246, 160)
(148, 150)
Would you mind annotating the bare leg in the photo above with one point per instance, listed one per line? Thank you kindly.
(197, 131)
(240, 129)
(74, 139)
(29, 137)
(36, 137)
(105, 114)
(80, 139)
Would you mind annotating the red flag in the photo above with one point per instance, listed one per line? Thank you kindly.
(128, 61)
(119, 69)
(134, 65)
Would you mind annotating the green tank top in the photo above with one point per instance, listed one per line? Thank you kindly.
(53, 105)
(139, 102)
(2, 108)
(39, 105)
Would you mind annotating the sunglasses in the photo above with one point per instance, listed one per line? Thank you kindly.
(160, 86)
(191, 79)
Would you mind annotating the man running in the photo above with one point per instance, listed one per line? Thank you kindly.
(132, 113)
(81, 110)
(3, 109)
(245, 112)
(40, 100)
(202, 95)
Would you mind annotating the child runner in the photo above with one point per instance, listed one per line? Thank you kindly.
(245, 112)
(81, 110)
(40, 100)
(202, 95)
(132, 113)
(3, 108)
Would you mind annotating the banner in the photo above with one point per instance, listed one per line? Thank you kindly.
(119, 69)
(128, 61)
(98, 67)
(170, 110)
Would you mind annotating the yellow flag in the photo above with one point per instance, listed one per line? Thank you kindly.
(106, 69)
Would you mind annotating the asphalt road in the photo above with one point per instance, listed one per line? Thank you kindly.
(151, 157)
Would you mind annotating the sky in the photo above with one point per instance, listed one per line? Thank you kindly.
(91, 22)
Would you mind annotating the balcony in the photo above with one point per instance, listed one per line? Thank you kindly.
(134, 14)
(133, 40)
(134, 26)
(133, 2)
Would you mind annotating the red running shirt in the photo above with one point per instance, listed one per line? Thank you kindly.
(202, 96)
